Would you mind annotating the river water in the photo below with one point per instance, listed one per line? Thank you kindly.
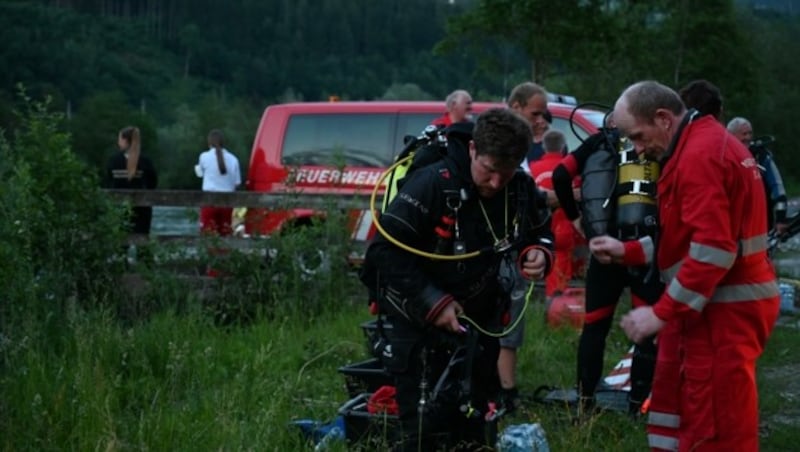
(175, 221)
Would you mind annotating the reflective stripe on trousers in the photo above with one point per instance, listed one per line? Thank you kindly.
(663, 419)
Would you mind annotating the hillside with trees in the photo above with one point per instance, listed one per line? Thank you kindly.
(177, 68)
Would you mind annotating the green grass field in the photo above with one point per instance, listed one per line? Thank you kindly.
(178, 381)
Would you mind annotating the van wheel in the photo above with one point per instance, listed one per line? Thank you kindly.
(309, 255)
(313, 262)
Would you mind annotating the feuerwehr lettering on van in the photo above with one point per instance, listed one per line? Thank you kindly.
(326, 176)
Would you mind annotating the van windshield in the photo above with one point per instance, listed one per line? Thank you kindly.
(349, 139)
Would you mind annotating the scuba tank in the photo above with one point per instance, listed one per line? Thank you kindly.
(597, 183)
(636, 194)
(619, 190)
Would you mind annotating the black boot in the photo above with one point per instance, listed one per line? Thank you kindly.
(635, 409)
(585, 409)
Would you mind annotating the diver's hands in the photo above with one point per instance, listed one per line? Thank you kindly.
(448, 318)
(535, 264)
(641, 323)
(552, 199)
(607, 249)
(577, 194)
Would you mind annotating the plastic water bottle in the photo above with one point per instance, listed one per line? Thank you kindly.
(335, 433)
(787, 297)
(523, 438)
(131, 254)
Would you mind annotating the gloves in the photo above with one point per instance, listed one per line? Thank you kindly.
(508, 399)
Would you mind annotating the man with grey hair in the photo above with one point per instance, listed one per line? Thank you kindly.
(459, 109)
(741, 129)
(773, 182)
(722, 299)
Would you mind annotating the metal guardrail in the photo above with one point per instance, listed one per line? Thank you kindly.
(197, 198)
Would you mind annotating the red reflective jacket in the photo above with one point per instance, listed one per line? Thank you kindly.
(713, 245)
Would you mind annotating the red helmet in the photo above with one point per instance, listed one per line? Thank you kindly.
(569, 308)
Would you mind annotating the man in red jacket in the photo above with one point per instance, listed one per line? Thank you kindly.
(459, 109)
(554, 143)
(722, 298)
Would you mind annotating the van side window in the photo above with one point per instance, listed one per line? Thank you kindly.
(562, 125)
(339, 139)
(411, 124)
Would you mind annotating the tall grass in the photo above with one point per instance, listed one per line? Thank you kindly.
(173, 383)
(178, 381)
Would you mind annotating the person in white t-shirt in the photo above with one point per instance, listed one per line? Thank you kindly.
(219, 169)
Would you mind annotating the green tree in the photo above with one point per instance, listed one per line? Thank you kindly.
(594, 48)
(406, 91)
(719, 58)
(540, 29)
(771, 106)
(190, 39)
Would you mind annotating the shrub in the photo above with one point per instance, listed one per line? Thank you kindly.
(58, 232)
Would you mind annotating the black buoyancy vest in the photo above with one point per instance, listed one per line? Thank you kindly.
(597, 184)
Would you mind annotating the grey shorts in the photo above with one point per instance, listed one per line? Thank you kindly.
(517, 295)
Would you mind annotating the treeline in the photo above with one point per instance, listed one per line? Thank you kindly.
(177, 68)
(269, 48)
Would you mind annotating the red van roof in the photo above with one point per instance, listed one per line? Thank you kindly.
(397, 105)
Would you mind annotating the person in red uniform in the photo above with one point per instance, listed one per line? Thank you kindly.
(459, 109)
(722, 299)
(563, 230)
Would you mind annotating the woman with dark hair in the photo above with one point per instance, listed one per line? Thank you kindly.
(219, 169)
(129, 169)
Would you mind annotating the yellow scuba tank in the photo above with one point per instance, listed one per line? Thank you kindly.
(637, 211)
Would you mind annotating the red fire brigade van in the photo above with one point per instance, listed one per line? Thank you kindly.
(342, 148)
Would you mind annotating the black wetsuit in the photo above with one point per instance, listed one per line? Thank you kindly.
(605, 282)
(412, 290)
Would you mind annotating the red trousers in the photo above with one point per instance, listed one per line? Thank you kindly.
(704, 391)
(216, 220)
(563, 248)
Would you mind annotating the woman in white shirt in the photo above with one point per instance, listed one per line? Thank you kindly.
(219, 169)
